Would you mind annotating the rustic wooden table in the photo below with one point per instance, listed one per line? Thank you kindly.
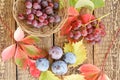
(9, 71)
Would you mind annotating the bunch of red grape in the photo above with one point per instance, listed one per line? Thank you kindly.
(92, 32)
(40, 13)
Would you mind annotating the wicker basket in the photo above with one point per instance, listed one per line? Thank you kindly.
(19, 7)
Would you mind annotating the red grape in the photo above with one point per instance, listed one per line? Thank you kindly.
(57, 18)
(44, 15)
(49, 10)
(29, 22)
(28, 4)
(51, 5)
(39, 13)
(84, 32)
(45, 22)
(36, 6)
(40, 25)
(56, 5)
(51, 19)
(30, 16)
(89, 26)
(41, 19)
(28, 11)
(71, 35)
(35, 23)
(44, 3)
(77, 35)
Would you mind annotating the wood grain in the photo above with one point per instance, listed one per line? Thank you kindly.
(112, 23)
(7, 69)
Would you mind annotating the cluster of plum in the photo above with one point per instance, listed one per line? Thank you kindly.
(59, 66)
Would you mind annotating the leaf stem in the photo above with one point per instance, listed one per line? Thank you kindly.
(97, 19)
(109, 48)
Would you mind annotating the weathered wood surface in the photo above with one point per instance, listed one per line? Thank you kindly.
(8, 71)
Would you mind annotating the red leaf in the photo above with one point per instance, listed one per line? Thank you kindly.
(67, 26)
(18, 34)
(103, 77)
(86, 18)
(33, 70)
(21, 59)
(72, 11)
(89, 68)
(34, 52)
(8, 53)
(30, 40)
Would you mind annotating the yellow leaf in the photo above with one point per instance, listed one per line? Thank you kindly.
(78, 49)
(68, 47)
(74, 77)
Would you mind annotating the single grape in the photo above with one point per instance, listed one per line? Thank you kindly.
(71, 35)
(103, 33)
(49, 10)
(28, 4)
(36, 5)
(91, 37)
(56, 52)
(51, 4)
(84, 32)
(44, 15)
(89, 26)
(35, 23)
(97, 31)
(57, 18)
(39, 1)
(51, 19)
(38, 13)
(45, 22)
(30, 17)
(90, 30)
(44, 3)
(59, 68)
(77, 35)
(56, 5)
(76, 25)
(97, 38)
(21, 16)
(42, 64)
(69, 58)
(41, 19)
(28, 11)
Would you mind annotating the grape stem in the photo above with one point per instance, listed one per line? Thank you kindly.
(97, 19)
(6, 26)
(109, 48)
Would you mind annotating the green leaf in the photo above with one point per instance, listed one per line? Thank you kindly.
(84, 3)
(79, 50)
(48, 75)
(72, 2)
(98, 3)
(74, 77)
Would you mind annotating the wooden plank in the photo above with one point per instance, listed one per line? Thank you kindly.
(45, 43)
(112, 23)
(7, 69)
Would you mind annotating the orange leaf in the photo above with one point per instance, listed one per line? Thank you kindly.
(72, 11)
(18, 34)
(8, 53)
(21, 58)
(30, 40)
(89, 68)
(67, 26)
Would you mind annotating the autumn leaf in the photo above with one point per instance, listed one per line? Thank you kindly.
(74, 77)
(34, 52)
(92, 72)
(86, 18)
(78, 49)
(19, 34)
(84, 3)
(21, 58)
(8, 52)
(48, 75)
(30, 40)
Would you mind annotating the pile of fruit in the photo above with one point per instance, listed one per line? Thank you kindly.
(91, 32)
(40, 13)
(59, 66)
